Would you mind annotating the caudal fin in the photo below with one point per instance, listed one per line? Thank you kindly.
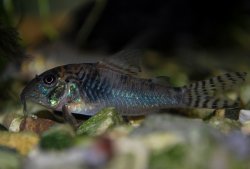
(201, 94)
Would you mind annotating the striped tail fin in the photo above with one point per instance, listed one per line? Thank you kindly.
(201, 94)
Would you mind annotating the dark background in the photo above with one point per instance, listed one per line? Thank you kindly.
(202, 37)
(112, 25)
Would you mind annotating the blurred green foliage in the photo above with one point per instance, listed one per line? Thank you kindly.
(10, 48)
(6, 12)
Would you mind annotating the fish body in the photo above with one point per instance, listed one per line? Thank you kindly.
(88, 87)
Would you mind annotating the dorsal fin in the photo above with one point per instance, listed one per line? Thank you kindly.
(162, 80)
(125, 61)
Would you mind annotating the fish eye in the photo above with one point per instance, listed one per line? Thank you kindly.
(49, 79)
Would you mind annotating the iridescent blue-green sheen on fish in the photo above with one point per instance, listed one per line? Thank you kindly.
(88, 87)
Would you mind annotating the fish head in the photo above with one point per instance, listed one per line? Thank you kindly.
(47, 89)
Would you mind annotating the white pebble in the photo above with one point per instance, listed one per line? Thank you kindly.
(244, 116)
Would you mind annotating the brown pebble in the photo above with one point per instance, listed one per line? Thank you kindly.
(38, 125)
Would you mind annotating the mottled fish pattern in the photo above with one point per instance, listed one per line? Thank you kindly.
(88, 87)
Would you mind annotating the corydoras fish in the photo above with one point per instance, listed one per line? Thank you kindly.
(88, 87)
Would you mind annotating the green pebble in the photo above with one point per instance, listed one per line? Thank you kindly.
(101, 122)
(57, 138)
